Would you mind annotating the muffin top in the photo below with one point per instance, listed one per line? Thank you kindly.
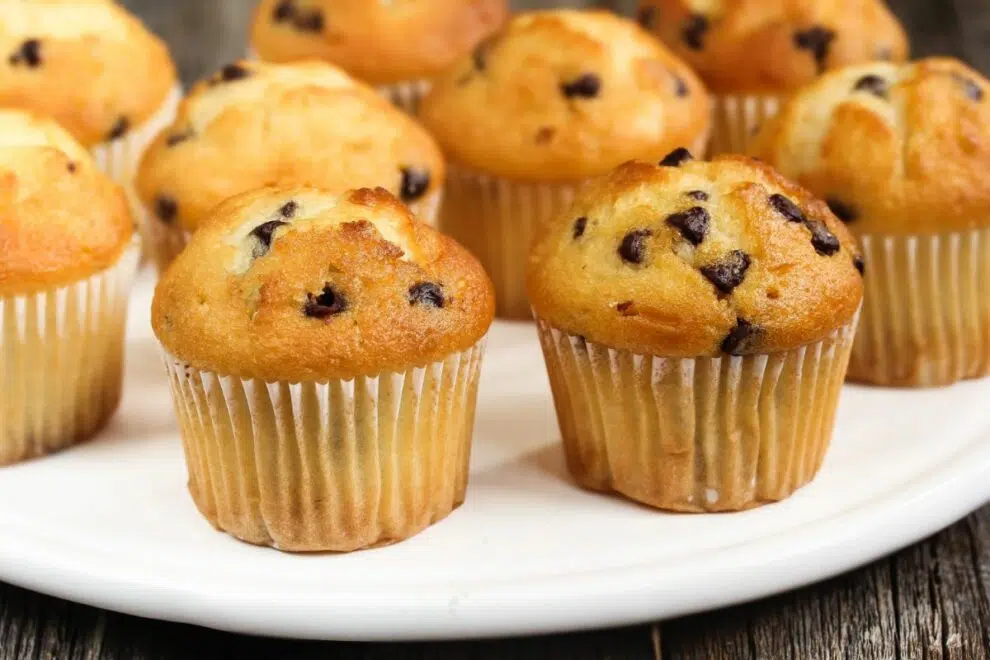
(690, 259)
(296, 284)
(895, 149)
(87, 63)
(563, 95)
(254, 124)
(61, 219)
(380, 41)
(770, 46)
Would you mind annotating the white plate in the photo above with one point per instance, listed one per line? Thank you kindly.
(110, 523)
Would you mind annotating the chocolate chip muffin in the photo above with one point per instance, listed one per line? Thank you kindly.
(93, 67)
(900, 153)
(397, 46)
(65, 271)
(337, 342)
(754, 53)
(557, 97)
(697, 320)
(253, 124)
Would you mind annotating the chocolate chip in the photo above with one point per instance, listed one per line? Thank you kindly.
(787, 208)
(699, 195)
(972, 90)
(72, 167)
(166, 208)
(177, 138)
(842, 211)
(873, 84)
(233, 72)
(694, 31)
(824, 241)
(676, 157)
(680, 87)
(545, 134)
(742, 338)
(728, 272)
(479, 57)
(817, 40)
(328, 303)
(29, 53)
(647, 17)
(859, 264)
(627, 308)
(289, 209)
(632, 249)
(309, 22)
(119, 129)
(585, 86)
(263, 233)
(284, 11)
(427, 294)
(693, 224)
(579, 226)
(884, 53)
(415, 183)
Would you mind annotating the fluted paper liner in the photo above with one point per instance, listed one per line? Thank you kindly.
(704, 434)
(737, 117)
(926, 315)
(334, 466)
(61, 355)
(167, 240)
(406, 95)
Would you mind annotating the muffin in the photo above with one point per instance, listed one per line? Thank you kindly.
(95, 69)
(753, 54)
(696, 320)
(901, 153)
(323, 352)
(556, 98)
(397, 46)
(254, 124)
(65, 271)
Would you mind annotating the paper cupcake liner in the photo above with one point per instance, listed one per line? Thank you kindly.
(704, 434)
(406, 95)
(164, 241)
(61, 355)
(736, 118)
(926, 315)
(334, 466)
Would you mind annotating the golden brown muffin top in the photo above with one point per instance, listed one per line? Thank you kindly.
(61, 219)
(774, 46)
(563, 95)
(254, 124)
(893, 149)
(295, 284)
(690, 258)
(380, 41)
(88, 63)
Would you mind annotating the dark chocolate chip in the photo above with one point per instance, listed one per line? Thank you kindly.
(166, 208)
(676, 157)
(728, 272)
(647, 17)
(693, 224)
(699, 195)
(233, 72)
(72, 167)
(579, 226)
(824, 241)
(119, 129)
(479, 57)
(972, 90)
(284, 11)
(289, 209)
(263, 233)
(859, 264)
(680, 87)
(817, 40)
(842, 211)
(632, 249)
(873, 84)
(415, 183)
(328, 303)
(545, 134)
(694, 31)
(787, 208)
(427, 294)
(741, 339)
(29, 53)
(309, 22)
(627, 308)
(176, 138)
(585, 86)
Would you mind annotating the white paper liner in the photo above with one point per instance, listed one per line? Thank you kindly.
(737, 118)
(334, 466)
(926, 315)
(406, 95)
(61, 356)
(704, 434)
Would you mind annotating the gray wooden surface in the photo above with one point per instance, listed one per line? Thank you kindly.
(929, 601)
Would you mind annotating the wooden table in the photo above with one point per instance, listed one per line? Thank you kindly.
(928, 601)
